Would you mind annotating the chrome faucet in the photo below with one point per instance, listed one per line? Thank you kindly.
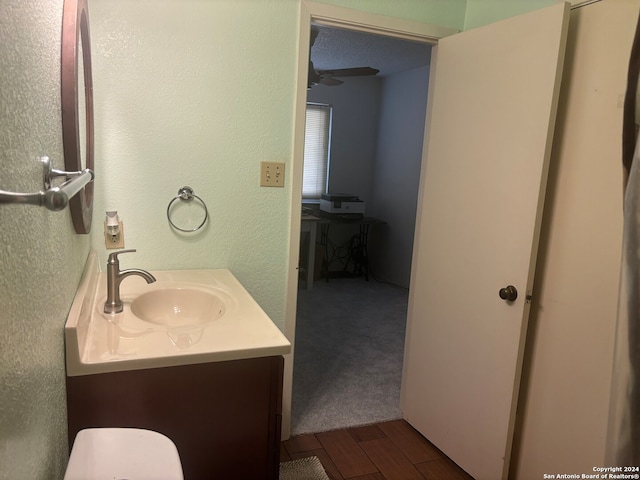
(115, 276)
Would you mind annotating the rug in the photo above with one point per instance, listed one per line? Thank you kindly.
(308, 468)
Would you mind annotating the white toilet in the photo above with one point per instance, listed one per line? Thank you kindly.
(123, 453)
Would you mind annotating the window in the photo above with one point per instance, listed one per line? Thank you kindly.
(317, 138)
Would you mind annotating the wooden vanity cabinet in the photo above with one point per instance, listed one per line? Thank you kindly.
(224, 417)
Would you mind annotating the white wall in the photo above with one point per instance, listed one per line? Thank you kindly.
(41, 257)
(376, 152)
(567, 374)
(356, 110)
(397, 173)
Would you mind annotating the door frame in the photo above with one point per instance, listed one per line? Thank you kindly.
(337, 17)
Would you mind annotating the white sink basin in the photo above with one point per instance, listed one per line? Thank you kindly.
(178, 307)
(185, 317)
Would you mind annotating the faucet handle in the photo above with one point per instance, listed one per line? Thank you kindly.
(113, 257)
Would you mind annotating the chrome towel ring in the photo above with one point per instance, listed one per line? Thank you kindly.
(186, 194)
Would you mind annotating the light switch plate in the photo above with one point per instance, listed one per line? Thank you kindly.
(271, 174)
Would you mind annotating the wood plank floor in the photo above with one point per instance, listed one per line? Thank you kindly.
(384, 451)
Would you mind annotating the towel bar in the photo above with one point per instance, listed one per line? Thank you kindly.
(54, 198)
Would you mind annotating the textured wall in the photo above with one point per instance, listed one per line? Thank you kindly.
(41, 258)
(198, 94)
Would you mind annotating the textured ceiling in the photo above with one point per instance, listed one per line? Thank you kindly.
(336, 48)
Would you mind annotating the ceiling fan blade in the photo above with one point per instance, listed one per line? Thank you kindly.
(349, 72)
(330, 81)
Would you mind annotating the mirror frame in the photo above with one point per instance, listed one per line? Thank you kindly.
(75, 29)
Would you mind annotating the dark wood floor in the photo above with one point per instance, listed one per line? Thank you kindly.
(384, 451)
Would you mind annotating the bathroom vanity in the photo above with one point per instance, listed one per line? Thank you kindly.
(224, 417)
(191, 356)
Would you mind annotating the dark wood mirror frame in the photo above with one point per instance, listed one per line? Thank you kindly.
(75, 29)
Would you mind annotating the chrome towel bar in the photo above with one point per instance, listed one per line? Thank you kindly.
(54, 198)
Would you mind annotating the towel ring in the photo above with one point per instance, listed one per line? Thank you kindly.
(186, 195)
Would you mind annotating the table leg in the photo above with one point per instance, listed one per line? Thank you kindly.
(324, 240)
(364, 236)
(311, 254)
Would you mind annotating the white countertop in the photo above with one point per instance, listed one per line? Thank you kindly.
(98, 343)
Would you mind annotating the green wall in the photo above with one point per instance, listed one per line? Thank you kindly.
(482, 12)
(444, 13)
(41, 258)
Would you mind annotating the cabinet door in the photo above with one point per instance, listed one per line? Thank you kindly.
(224, 417)
(492, 116)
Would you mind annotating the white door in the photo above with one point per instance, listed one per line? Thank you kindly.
(491, 121)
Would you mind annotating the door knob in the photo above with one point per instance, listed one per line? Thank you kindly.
(508, 293)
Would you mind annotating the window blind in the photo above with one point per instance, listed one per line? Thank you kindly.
(317, 139)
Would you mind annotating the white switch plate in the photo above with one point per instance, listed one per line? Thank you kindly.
(271, 174)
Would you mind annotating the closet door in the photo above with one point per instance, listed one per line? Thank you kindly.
(570, 362)
(492, 115)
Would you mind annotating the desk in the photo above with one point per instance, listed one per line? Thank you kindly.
(355, 250)
(308, 225)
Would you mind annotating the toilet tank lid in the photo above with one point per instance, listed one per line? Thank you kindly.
(100, 453)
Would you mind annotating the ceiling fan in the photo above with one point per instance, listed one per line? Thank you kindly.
(328, 77)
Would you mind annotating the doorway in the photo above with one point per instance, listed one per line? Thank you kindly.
(350, 332)
(336, 17)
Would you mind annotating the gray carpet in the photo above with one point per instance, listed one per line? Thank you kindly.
(348, 359)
